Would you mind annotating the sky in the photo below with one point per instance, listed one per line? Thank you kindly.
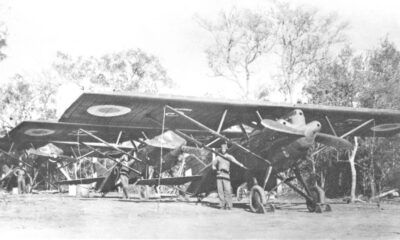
(167, 29)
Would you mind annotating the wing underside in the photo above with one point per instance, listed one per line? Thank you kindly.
(147, 112)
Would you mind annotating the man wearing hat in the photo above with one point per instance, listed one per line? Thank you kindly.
(222, 166)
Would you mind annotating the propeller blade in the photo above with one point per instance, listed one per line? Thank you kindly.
(279, 127)
(333, 141)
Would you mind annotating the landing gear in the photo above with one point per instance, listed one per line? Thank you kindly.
(257, 199)
(318, 201)
(315, 196)
(144, 193)
(241, 192)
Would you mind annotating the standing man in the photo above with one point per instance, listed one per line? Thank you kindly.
(126, 163)
(20, 172)
(222, 166)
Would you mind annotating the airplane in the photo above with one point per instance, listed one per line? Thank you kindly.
(279, 141)
(83, 140)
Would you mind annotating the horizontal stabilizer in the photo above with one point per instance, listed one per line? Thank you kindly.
(81, 181)
(168, 181)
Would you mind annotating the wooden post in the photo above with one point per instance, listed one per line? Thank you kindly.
(352, 157)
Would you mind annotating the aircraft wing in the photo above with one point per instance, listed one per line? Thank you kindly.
(168, 181)
(41, 132)
(65, 134)
(145, 111)
(81, 181)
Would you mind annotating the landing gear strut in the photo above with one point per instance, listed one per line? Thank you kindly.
(315, 196)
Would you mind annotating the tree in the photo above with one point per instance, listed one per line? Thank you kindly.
(3, 42)
(304, 39)
(334, 81)
(240, 38)
(379, 82)
(295, 37)
(368, 80)
(352, 157)
(3, 32)
(28, 97)
(130, 70)
(379, 85)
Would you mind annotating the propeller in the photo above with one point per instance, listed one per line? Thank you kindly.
(309, 131)
(281, 127)
(333, 141)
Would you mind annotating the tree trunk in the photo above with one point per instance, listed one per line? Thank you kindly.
(353, 171)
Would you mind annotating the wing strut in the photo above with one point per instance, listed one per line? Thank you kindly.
(198, 143)
(108, 144)
(244, 131)
(221, 123)
(330, 125)
(217, 134)
(119, 137)
(206, 147)
(109, 157)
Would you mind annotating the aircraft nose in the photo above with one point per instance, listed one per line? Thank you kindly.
(298, 118)
(312, 129)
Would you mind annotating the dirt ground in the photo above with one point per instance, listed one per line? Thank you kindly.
(59, 216)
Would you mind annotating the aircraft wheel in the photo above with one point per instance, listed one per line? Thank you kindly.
(271, 208)
(257, 199)
(318, 196)
(240, 193)
(328, 208)
(144, 193)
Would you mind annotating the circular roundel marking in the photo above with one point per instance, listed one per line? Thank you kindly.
(38, 132)
(386, 127)
(108, 110)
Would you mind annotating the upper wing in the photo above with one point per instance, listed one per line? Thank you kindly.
(46, 131)
(144, 111)
(39, 133)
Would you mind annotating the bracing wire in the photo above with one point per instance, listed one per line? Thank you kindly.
(161, 153)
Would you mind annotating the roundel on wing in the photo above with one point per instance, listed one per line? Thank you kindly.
(108, 110)
(38, 132)
(386, 127)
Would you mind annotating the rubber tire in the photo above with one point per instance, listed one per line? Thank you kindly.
(328, 208)
(257, 199)
(240, 192)
(144, 193)
(318, 196)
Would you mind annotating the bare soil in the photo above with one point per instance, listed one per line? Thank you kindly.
(59, 216)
